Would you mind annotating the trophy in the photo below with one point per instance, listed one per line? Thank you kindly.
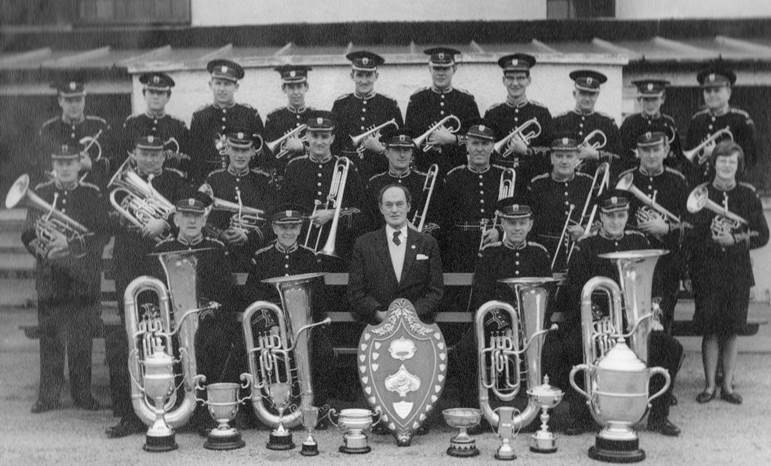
(547, 397)
(462, 445)
(310, 418)
(222, 401)
(280, 437)
(354, 422)
(506, 431)
(158, 386)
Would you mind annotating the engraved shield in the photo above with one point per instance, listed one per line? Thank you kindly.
(402, 366)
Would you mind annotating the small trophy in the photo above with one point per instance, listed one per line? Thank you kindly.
(506, 432)
(222, 401)
(547, 397)
(310, 417)
(462, 445)
(354, 422)
(280, 437)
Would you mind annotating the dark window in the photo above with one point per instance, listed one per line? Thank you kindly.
(134, 11)
(573, 9)
(36, 12)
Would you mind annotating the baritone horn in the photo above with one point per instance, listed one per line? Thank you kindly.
(499, 353)
(280, 143)
(51, 224)
(374, 132)
(419, 217)
(527, 131)
(454, 127)
(698, 151)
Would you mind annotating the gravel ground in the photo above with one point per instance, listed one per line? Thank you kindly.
(717, 433)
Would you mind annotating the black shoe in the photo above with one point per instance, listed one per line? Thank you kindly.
(731, 397)
(664, 427)
(576, 427)
(323, 424)
(480, 428)
(705, 396)
(128, 425)
(41, 406)
(89, 404)
(422, 430)
(380, 429)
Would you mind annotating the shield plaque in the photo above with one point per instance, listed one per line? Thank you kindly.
(402, 365)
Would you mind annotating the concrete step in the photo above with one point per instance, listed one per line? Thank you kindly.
(12, 219)
(16, 265)
(10, 242)
(15, 292)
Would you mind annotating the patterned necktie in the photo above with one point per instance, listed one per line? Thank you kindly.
(396, 240)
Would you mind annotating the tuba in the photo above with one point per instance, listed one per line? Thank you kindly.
(334, 201)
(698, 151)
(724, 222)
(523, 131)
(151, 333)
(449, 119)
(273, 357)
(419, 217)
(499, 354)
(373, 132)
(280, 143)
(52, 223)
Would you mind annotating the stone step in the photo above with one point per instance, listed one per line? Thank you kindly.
(12, 219)
(16, 292)
(10, 242)
(16, 265)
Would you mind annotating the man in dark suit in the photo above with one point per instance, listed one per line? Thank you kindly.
(393, 262)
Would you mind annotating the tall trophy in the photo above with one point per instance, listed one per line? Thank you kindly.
(548, 397)
(280, 437)
(222, 400)
(462, 445)
(507, 430)
(310, 417)
(354, 422)
(158, 386)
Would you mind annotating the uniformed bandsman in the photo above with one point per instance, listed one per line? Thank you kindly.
(651, 95)
(362, 109)
(667, 188)
(584, 119)
(431, 104)
(467, 207)
(307, 183)
(279, 122)
(68, 281)
(558, 196)
(716, 85)
(156, 90)
(131, 260)
(214, 120)
(527, 157)
(74, 128)
(240, 185)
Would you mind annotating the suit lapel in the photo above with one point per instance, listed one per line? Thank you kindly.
(409, 254)
(381, 248)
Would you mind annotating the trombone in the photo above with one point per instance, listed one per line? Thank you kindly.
(374, 131)
(449, 119)
(280, 143)
(334, 201)
(698, 151)
(522, 131)
(419, 217)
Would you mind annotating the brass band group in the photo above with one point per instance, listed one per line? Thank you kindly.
(578, 234)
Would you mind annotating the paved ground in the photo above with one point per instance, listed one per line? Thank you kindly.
(716, 433)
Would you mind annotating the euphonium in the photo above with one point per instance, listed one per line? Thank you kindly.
(53, 222)
(724, 222)
(140, 202)
(499, 354)
(334, 201)
(151, 332)
(456, 125)
(280, 143)
(650, 209)
(523, 131)
(600, 139)
(419, 217)
(374, 132)
(273, 357)
(698, 150)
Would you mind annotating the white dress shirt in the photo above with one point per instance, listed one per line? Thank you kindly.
(397, 251)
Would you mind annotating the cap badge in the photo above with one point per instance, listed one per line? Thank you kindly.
(73, 85)
(151, 139)
(240, 135)
(292, 74)
(224, 69)
(402, 138)
(614, 200)
(319, 121)
(156, 79)
(365, 61)
(287, 213)
(650, 86)
(515, 207)
(711, 77)
(565, 141)
(482, 128)
(648, 135)
(65, 148)
(191, 202)
(588, 80)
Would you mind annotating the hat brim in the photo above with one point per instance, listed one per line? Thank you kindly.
(190, 210)
(610, 210)
(226, 77)
(594, 90)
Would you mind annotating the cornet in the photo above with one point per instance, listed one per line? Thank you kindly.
(454, 128)
(280, 143)
(725, 221)
(523, 131)
(699, 150)
(244, 218)
(374, 132)
(419, 218)
(506, 186)
(596, 139)
(654, 210)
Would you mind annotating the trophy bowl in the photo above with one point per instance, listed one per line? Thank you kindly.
(354, 421)
(222, 401)
(462, 445)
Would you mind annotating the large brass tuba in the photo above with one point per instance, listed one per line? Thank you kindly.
(274, 357)
(499, 354)
(152, 330)
(51, 223)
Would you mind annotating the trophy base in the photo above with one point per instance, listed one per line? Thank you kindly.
(232, 442)
(463, 452)
(309, 449)
(543, 444)
(505, 457)
(160, 444)
(617, 451)
(280, 442)
(354, 450)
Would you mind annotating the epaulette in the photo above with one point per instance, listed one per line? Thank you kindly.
(275, 111)
(535, 102)
(265, 249)
(215, 172)
(202, 108)
(96, 118)
(538, 245)
(494, 106)
(422, 89)
(463, 91)
(668, 118)
(43, 184)
(749, 186)
(499, 167)
(173, 117)
(674, 172)
(491, 245)
(88, 185)
(633, 232)
(565, 113)
(342, 96)
(628, 170)
(419, 172)
(459, 167)
(584, 175)
(259, 171)
(49, 121)
(539, 177)
(700, 112)
(740, 112)
(302, 246)
(387, 97)
(175, 171)
(375, 176)
(295, 159)
(167, 240)
(603, 114)
(216, 241)
(246, 105)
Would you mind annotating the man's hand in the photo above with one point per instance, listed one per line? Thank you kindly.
(294, 145)
(154, 228)
(234, 236)
(441, 137)
(724, 239)
(517, 146)
(372, 144)
(322, 216)
(586, 151)
(490, 236)
(656, 227)
(58, 246)
(575, 232)
(85, 162)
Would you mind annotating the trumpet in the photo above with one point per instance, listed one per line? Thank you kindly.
(280, 143)
(523, 131)
(419, 218)
(334, 200)
(698, 151)
(725, 221)
(506, 186)
(600, 139)
(600, 182)
(374, 132)
(654, 210)
(454, 128)
(51, 224)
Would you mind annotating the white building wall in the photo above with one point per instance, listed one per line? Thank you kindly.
(664, 9)
(242, 12)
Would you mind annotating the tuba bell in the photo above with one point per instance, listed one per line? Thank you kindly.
(499, 354)
(273, 358)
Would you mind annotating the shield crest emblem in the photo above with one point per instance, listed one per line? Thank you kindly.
(402, 366)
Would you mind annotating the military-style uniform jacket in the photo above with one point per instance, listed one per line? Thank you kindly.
(354, 115)
(427, 107)
(413, 180)
(468, 198)
(581, 124)
(714, 264)
(166, 127)
(55, 132)
(71, 278)
(704, 123)
(208, 123)
(638, 124)
(504, 117)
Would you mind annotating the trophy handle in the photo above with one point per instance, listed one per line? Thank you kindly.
(133, 355)
(247, 380)
(379, 418)
(585, 367)
(330, 413)
(198, 380)
(668, 380)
